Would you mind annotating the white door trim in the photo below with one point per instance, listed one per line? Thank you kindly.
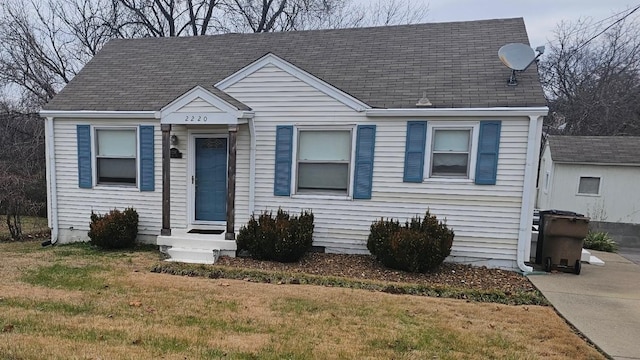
(191, 173)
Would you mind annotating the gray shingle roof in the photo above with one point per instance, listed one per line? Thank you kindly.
(385, 67)
(595, 149)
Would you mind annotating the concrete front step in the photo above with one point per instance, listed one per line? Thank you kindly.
(196, 248)
(193, 256)
(197, 242)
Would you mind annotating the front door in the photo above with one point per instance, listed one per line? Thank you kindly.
(211, 179)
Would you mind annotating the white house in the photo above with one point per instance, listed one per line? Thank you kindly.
(593, 175)
(198, 133)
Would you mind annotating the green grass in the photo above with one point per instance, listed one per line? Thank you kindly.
(61, 276)
(48, 306)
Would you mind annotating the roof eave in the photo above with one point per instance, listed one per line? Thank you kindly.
(491, 111)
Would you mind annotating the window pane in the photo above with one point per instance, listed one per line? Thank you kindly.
(324, 145)
(451, 140)
(322, 176)
(116, 142)
(116, 170)
(449, 164)
(589, 185)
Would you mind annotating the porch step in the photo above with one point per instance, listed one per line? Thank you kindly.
(198, 241)
(193, 256)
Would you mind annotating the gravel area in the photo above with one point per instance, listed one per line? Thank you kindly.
(364, 267)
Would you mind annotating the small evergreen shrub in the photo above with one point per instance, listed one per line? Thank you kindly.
(600, 241)
(419, 245)
(115, 230)
(282, 238)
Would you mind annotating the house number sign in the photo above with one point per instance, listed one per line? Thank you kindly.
(195, 118)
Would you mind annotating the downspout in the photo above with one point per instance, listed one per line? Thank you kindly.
(52, 194)
(252, 166)
(526, 212)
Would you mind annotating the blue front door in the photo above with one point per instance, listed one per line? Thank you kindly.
(211, 179)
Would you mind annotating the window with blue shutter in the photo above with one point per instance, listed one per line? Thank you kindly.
(365, 146)
(282, 176)
(147, 181)
(83, 133)
(488, 147)
(414, 151)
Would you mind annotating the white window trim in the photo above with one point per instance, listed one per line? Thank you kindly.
(94, 157)
(294, 163)
(578, 193)
(474, 126)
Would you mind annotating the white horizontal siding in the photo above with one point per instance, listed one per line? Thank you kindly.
(179, 179)
(198, 105)
(485, 218)
(75, 204)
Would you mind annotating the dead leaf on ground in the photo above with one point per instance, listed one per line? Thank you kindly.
(135, 303)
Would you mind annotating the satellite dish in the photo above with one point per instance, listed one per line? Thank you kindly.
(518, 57)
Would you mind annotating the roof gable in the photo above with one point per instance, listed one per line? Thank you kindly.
(456, 64)
(318, 84)
(615, 150)
(203, 106)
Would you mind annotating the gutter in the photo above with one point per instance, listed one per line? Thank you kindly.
(528, 193)
(52, 194)
(461, 112)
(252, 165)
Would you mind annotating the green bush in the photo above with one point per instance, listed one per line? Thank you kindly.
(419, 245)
(600, 241)
(284, 238)
(115, 230)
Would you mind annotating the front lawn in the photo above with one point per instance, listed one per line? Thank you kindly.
(76, 302)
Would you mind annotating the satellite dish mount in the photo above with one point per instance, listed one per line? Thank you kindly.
(518, 57)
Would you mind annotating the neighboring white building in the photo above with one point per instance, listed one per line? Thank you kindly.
(598, 176)
(322, 120)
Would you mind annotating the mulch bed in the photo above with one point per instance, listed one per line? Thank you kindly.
(365, 267)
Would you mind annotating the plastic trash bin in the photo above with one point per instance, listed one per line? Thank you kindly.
(560, 240)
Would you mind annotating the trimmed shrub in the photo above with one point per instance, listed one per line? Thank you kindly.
(600, 241)
(282, 238)
(419, 245)
(115, 230)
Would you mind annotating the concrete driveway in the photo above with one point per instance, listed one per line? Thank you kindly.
(603, 302)
(632, 254)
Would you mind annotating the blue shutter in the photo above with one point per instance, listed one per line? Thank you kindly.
(284, 145)
(414, 151)
(147, 181)
(363, 177)
(488, 146)
(83, 134)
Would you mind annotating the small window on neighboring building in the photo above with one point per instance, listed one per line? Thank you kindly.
(450, 152)
(116, 156)
(323, 161)
(589, 185)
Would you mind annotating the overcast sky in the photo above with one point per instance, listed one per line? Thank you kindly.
(540, 16)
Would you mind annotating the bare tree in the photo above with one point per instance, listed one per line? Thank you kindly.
(286, 15)
(44, 45)
(22, 160)
(161, 18)
(592, 78)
